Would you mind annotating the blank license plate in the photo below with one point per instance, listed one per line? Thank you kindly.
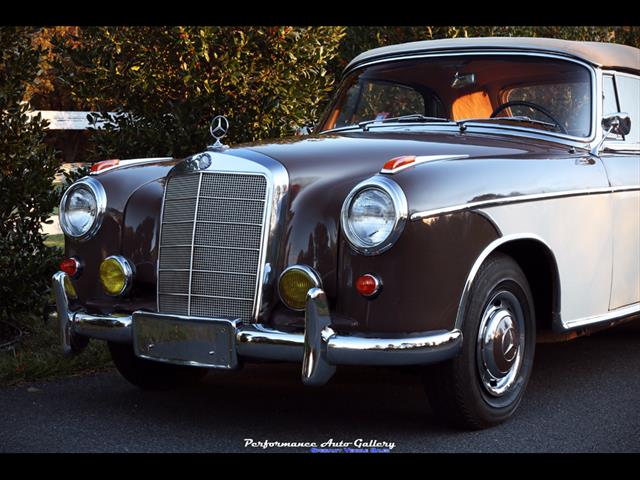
(185, 341)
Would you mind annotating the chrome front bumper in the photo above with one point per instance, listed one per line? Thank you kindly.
(319, 348)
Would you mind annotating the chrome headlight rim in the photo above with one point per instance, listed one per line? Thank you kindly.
(399, 200)
(97, 190)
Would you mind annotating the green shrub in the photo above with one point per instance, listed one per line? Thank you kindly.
(172, 80)
(27, 170)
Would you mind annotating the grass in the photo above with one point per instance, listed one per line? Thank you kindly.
(55, 241)
(38, 355)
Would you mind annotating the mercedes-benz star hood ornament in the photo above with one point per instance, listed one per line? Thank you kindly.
(219, 128)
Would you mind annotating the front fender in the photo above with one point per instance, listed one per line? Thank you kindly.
(423, 274)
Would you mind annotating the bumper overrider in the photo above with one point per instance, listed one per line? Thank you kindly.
(319, 347)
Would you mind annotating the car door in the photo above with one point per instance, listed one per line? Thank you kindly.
(621, 158)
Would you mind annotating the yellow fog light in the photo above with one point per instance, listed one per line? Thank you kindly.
(115, 275)
(69, 288)
(294, 284)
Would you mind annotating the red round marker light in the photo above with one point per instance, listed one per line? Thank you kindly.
(70, 266)
(368, 285)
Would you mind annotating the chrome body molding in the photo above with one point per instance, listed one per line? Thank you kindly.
(96, 188)
(277, 190)
(422, 159)
(400, 205)
(319, 347)
(519, 199)
(612, 315)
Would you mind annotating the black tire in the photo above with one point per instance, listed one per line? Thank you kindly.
(463, 389)
(150, 375)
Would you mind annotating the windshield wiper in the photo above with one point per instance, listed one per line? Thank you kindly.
(414, 118)
(515, 118)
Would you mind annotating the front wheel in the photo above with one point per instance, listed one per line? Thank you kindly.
(484, 385)
(150, 375)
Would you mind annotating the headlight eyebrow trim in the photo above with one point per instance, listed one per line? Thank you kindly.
(97, 190)
(399, 200)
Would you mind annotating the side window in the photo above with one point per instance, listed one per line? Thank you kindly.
(629, 99)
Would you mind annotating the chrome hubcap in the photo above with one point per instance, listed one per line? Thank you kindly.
(500, 343)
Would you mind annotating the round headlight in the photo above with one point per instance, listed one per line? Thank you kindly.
(81, 208)
(373, 215)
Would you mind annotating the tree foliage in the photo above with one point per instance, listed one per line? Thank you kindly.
(172, 80)
(27, 170)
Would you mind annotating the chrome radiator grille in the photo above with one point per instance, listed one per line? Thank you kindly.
(210, 241)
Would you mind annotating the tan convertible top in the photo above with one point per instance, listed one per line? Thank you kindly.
(606, 55)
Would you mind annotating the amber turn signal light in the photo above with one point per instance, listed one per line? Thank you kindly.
(396, 163)
(368, 285)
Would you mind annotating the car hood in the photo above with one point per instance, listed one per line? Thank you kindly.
(361, 154)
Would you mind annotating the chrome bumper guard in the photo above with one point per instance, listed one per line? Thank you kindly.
(319, 349)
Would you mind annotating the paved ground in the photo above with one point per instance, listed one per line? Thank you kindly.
(584, 396)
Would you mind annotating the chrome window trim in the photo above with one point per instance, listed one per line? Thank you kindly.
(611, 145)
(96, 188)
(595, 85)
(317, 281)
(399, 200)
(128, 274)
(519, 199)
(276, 196)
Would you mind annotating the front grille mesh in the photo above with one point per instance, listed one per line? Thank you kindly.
(211, 270)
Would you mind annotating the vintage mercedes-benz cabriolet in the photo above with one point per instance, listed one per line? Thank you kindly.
(458, 199)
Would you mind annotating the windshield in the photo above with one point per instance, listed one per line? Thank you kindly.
(535, 92)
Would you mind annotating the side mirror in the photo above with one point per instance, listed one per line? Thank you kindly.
(618, 123)
(305, 129)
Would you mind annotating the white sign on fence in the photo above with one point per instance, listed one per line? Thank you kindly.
(65, 120)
